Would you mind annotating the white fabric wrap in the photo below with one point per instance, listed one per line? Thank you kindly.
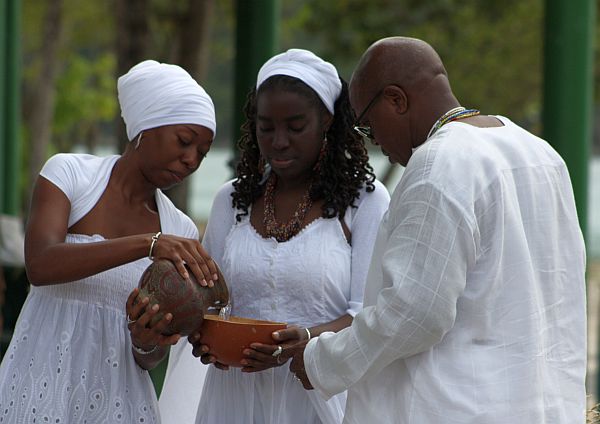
(154, 94)
(319, 75)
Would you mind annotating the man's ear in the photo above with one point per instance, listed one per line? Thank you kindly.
(397, 97)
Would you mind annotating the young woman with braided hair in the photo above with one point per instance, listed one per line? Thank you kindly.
(293, 235)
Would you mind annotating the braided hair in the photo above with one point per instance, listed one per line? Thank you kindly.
(343, 170)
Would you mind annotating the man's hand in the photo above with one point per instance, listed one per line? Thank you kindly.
(297, 367)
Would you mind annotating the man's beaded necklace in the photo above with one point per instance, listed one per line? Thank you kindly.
(286, 230)
(452, 115)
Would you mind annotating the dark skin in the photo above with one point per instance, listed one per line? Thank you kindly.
(290, 132)
(126, 215)
(416, 92)
(409, 86)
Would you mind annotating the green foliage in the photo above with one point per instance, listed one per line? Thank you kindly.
(492, 50)
(86, 99)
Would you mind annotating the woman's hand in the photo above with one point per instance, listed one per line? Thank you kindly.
(260, 357)
(145, 335)
(202, 351)
(183, 251)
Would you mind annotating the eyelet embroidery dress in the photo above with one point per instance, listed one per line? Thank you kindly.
(70, 359)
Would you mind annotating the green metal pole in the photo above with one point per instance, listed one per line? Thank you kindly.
(568, 89)
(3, 22)
(12, 130)
(257, 32)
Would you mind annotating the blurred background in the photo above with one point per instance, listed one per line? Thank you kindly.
(534, 61)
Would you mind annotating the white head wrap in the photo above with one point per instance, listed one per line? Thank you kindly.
(154, 94)
(319, 75)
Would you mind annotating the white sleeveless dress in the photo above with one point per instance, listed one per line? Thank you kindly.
(70, 357)
(313, 278)
(289, 282)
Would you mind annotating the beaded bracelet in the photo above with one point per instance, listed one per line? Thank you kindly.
(143, 351)
(154, 240)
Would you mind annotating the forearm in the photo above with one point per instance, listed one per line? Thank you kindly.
(334, 326)
(65, 262)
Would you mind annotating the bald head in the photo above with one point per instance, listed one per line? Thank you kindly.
(399, 89)
(408, 62)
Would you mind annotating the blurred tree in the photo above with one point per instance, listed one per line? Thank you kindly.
(39, 99)
(492, 50)
(183, 39)
(131, 45)
(67, 78)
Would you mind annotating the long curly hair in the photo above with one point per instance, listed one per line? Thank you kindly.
(343, 170)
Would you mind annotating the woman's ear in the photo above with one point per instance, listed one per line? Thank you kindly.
(327, 122)
(397, 97)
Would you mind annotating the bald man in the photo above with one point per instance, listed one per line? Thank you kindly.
(474, 310)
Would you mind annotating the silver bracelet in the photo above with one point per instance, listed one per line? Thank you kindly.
(143, 351)
(154, 240)
(308, 333)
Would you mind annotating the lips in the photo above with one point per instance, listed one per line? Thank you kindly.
(281, 162)
(178, 177)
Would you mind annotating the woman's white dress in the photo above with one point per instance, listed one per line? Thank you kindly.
(313, 278)
(70, 359)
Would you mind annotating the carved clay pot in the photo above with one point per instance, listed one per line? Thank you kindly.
(186, 299)
(227, 338)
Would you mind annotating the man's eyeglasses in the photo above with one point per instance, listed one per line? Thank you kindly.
(365, 131)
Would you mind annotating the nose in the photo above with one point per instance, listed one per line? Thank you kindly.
(280, 140)
(191, 159)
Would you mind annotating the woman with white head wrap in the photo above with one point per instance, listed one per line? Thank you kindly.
(304, 190)
(80, 347)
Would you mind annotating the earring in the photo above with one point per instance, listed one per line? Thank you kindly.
(137, 143)
(322, 154)
(264, 168)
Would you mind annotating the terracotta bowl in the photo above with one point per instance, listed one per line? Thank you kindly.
(184, 298)
(227, 338)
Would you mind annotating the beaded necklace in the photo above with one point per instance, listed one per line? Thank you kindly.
(286, 230)
(452, 115)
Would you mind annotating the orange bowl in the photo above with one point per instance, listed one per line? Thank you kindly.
(227, 338)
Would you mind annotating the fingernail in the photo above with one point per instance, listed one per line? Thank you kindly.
(186, 275)
(169, 317)
(210, 283)
(146, 300)
(244, 362)
(155, 307)
(276, 334)
(215, 277)
(246, 352)
(203, 282)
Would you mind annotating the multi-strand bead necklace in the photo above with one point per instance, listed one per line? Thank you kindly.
(285, 230)
(452, 115)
